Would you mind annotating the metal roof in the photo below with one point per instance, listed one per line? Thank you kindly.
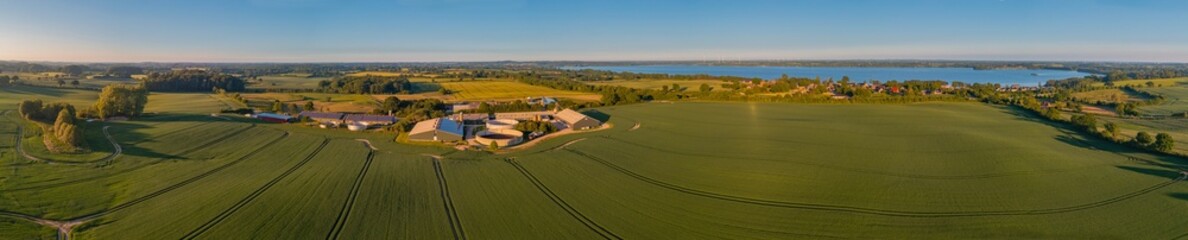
(570, 116)
(369, 118)
(322, 115)
(442, 124)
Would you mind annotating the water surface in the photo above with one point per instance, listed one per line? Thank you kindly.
(1025, 77)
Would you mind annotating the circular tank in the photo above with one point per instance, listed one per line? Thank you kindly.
(502, 124)
(502, 137)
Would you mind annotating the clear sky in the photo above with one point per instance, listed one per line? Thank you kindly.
(487, 30)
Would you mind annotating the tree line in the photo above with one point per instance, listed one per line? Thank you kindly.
(61, 132)
(192, 81)
(366, 85)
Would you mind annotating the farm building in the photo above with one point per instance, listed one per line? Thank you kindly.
(577, 120)
(324, 117)
(272, 117)
(459, 107)
(523, 116)
(437, 129)
(369, 119)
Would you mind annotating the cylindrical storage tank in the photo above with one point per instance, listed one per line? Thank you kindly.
(356, 127)
(502, 137)
(502, 124)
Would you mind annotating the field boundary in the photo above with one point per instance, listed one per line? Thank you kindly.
(251, 197)
(448, 201)
(573, 212)
(349, 204)
(875, 211)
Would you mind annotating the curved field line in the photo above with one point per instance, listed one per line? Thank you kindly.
(187, 151)
(874, 211)
(259, 191)
(349, 205)
(116, 150)
(859, 170)
(64, 227)
(573, 212)
(451, 211)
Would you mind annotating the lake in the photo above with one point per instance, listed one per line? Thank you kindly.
(1025, 77)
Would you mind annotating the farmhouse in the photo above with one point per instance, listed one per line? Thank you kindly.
(437, 129)
(272, 117)
(369, 119)
(577, 120)
(324, 117)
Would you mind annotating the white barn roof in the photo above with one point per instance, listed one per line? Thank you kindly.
(570, 116)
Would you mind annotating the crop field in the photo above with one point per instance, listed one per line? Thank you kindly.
(689, 85)
(1176, 101)
(184, 103)
(1107, 96)
(506, 90)
(288, 81)
(664, 171)
(1165, 82)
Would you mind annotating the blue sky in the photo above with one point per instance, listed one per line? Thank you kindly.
(487, 30)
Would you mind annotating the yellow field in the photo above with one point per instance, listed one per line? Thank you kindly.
(1165, 82)
(690, 85)
(1106, 95)
(506, 90)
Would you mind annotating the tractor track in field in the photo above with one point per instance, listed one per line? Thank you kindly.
(65, 227)
(448, 201)
(349, 205)
(251, 197)
(187, 151)
(866, 171)
(573, 212)
(170, 133)
(874, 211)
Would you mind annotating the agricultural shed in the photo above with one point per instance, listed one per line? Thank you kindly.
(577, 120)
(437, 129)
(273, 117)
(324, 117)
(369, 119)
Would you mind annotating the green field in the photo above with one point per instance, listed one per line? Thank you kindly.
(1176, 101)
(689, 85)
(1164, 82)
(664, 171)
(507, 90)
(288, 81)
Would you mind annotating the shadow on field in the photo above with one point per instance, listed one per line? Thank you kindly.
(1075, 137)
(1158, 172)
(599, 115)
(127, 134)
(1181, 196)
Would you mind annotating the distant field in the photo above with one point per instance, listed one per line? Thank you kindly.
(1176, 100)
(1165, 82)
(378, 73)
(663, 171)
(338, 102)
(506, 90)
(288, 81)
(1107, 96)
(689, 85)
(184, 103)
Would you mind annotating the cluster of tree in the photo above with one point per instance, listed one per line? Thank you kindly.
(74, 70)
(513, 106)
(119, 100)
(124, 71)
(1162, 142)
(192, 81)
(411, 112)
(59, 123)
(5, 80)
(366, 85)
(535, 126)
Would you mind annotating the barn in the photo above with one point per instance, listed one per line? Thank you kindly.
(437, 129)
(324, 117)
(369, 119)
(577, 120)
(272, 117)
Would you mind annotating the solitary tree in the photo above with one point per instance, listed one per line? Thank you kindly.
(74, 83)
(309, 106)
(705, 88)
(61, 82)
(494, 146)
(277, 106)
